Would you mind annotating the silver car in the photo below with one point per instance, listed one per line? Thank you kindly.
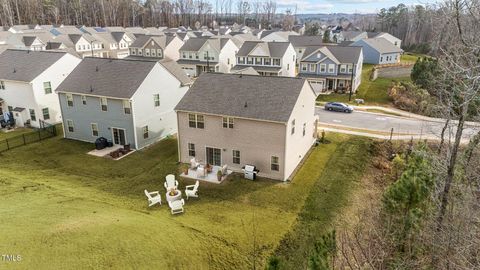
(338, 107)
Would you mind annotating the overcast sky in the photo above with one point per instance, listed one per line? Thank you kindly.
(344, 6)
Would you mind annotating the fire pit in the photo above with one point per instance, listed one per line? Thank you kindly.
(173, 195)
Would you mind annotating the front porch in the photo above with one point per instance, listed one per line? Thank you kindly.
(211, 177)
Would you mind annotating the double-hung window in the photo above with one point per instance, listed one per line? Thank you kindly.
(33, 117)
(94, 127)
(47, 87)
(191, 149)
(304, 67)
(84, 100)
(46, 114)
(304, 129)
(70, 126)
(69, 100)
(323, 68)
(274, 165)
(331, 68)
(145, 132)
(196, 121)
(127, 107)
(156, 100)
(103, 104)
(311, 67)
(2, 85)
(236, 157)
(293, 126)
(228, 122)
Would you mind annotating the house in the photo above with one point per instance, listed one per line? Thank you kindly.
(87, 46)
(276, 36)
(301, 43)
(267, 58)
(125, 101)
(353, 35)
(198, 55)
(332, 68)
(157, 47)
(379, 51)
(28, 80)
(237, 119)
(392, 39)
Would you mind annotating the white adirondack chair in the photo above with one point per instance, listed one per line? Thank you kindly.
(176, 207)
(192, 190)
(194, 164)
(153, 198)
(170, 182)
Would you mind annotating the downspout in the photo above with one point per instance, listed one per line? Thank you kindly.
(178, 138)
(62, 114)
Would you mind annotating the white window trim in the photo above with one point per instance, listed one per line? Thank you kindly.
(91, 129)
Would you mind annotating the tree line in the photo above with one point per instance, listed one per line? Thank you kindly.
(144, 13)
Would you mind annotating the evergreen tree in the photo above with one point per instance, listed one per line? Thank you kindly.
(326, 36)
(273, 264)
(324, 251)
(424, 72)
(312, 30)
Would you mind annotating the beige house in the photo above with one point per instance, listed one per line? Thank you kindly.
(235, 119)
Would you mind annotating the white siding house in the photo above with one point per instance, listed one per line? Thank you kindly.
(28, 81)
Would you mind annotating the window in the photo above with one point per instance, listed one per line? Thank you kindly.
(196, 121)
(47, 86)
(293, 126)
(288, 66)
(274, 166)
(381, 59)
(249, 60)
(147, 52)
(103, 103)
(154, 53)
(236, 156)
(258, 61)
(323, 68)
(228, 61)
(127, 107)
(70, 126)
(133, 52)
(84, 100)
(312, 67)
(69, 100)
(267, 61)
(33, 117)
(159, 52)
(184, 55)
(304, 128)
(2, 85)
(94, 129)
(145, 132)
(304, 67)
(227, 122)
(276, 62)
(331, 68)
(191, 149)
(156, 100)
(140, 51)
(46, 114)
(350, 68)
(343, 68)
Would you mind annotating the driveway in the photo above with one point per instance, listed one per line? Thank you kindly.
(365, 121)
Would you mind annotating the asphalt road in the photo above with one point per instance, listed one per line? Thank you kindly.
(384, 123)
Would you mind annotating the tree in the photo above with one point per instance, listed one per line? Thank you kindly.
(326, 36)
(323, 252)
(273, 263)
(312, 29)
(424, 72)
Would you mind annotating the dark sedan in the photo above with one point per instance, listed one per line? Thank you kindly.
(338, 107)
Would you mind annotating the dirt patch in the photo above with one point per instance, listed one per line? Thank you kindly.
(395, 72)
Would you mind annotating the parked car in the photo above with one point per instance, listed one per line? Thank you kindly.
(338, 107)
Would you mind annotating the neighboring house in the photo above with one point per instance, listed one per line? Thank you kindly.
(198, 55)
(86, 45)
(28, 81)
(353, 35)
(157, 47)
(33, 43)
(392, 39)
(379, 51)
(299, 28)
(301, 43)
(332, 68)
(267, 58)
(276, 36)
(125, 101)
(232, 119)
(113, 43)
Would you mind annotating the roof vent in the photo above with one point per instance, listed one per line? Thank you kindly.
(96, 68)
(246, 105)
(91, 88)
(14, 70)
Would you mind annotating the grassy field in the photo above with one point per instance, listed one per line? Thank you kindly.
(410, 57)
(18, 131)
(373, 92)
(61, 208)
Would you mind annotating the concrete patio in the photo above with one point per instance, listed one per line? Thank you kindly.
(209, 177)
(106, 151)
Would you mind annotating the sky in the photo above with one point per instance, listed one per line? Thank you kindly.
(343, 6)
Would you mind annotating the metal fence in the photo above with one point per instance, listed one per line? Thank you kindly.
(47, 131)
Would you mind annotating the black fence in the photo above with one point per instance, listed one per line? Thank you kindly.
(47, 131)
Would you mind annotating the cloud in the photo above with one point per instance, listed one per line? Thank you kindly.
(304, 5)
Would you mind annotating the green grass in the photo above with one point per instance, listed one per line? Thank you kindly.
(329, 193)
(17, 132)
(372, 92)
(410, 57)
(61, 208)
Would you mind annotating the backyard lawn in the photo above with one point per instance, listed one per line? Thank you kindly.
(10, 134)
(61, 208)
(373, 92)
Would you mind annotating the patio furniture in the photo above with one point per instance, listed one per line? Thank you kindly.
(200, 171)
(224, 169)
(153, 198)
(194, 164)
(176, 207)
(192, 190)
(177, 196)
(170, 182)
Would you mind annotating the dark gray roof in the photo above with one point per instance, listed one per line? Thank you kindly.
(304, 41)
(350, 35)
(246, 96)
(176, 70)
(107, 77)
(118, 36)
(195, 44)
(373, 34)
(22, 65)
(28, 40)
(275, 49)
(344, 54)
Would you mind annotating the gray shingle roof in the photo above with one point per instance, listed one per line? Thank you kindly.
(305, 41)
(107, 77)
(24, 66)
(245, 96)
(344, 54)
(382, 45)
(275, 49)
